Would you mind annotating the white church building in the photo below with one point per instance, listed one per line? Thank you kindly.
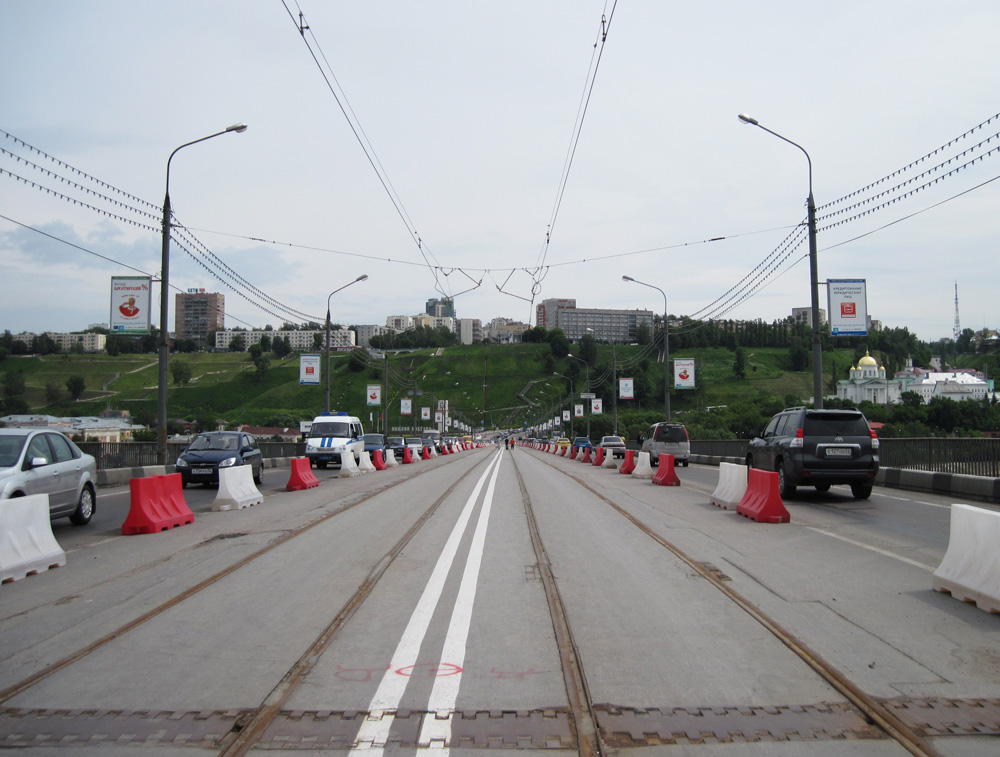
(868, 383)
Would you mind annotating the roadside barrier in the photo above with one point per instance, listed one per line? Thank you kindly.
(732, 485)
(609, 460)
(629, 465)
(643, 468)
(156, 504)
(598, 457)
(762, 502)
(666, 474)
(587, 458)
(580, 452)
(562, 451)
(378, 461)
(366, 466)
(302, 476)
(27, 545)
(407, 456)
(425, 453)
(445, 450)
(390, 458)
(348, 465)
(970, 570)
(236, 489)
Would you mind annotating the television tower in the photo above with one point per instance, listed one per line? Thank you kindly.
(958, 326)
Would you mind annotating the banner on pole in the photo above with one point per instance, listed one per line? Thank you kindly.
(374, 394)
(626, 389)
(406, 406)
(309, 370)
(847, 303)
(684, 373)
(597, 407)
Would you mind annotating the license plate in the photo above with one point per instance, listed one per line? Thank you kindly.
(837, 452)
(201, 471)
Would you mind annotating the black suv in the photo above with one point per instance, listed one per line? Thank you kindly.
(817, 448)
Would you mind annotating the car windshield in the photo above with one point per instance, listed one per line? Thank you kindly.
(339, 429)
(395, 440)
(373, 438)
(828, 424)
(611, 440)
(412, 440)
(209, 441)
(10, 450)
(670, 434)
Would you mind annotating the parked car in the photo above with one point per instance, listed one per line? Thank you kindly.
(562, 441)
(432, 438)
(667, 439)
(36, 461)
(332, 436)
(612, 445)
(817, 448)
(200, 461)
(396, 444)
(581, 441)
(374, 442)
(416, 446)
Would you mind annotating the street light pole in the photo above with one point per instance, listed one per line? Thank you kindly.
(666, 346)
(587, 366)
(817, 347)
(164, 346)
(571, 434)
(326, 366)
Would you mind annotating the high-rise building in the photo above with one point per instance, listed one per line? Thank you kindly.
(604, 325)
(443, 308)
(197, 314)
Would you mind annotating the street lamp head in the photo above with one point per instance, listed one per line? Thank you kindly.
(748, 119)
(362, 277)
(238, 128)
(627, 278)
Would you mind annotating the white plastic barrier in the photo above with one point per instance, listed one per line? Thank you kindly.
(643, 469)
(609, 459)
(970, 570)
(731, 487)
(348, 465)
(366, 466)
(579, 454)
(390, 458)
(27, 545)
(236, 489)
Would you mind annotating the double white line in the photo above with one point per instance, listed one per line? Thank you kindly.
(374, 732)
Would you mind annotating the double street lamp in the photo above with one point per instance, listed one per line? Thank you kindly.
(554, 373)
(587, 366)
(817, 348)
(326, 366)
(161, 414)
(666, 346)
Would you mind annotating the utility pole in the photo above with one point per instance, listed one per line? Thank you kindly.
(486, 369)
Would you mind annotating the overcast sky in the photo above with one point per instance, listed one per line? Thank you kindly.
(470, 110)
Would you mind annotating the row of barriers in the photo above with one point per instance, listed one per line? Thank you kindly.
(969, 571)
(156, 504)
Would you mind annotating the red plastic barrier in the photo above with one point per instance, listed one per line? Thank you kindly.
(665, 474)
(629, 465)
(586, 455)
(762, 501)
(407, 456)
(562, 451)
(378, 460)
(425, 453)
(445, 449)
(156, 505)
(598, 457)
(302, 476)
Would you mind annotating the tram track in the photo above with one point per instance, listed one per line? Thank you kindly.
(872, 709)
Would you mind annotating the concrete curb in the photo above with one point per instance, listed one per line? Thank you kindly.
(121, 476)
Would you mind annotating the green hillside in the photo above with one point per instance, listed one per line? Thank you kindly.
(520, 385)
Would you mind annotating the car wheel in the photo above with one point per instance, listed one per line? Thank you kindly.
(750, 462)
(685, 463)
(822, 487)
(184, 484)
(861, 491)
(84, 508)
(785, 488)
(258, 476)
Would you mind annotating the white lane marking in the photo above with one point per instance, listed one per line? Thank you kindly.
(870, 548)
(444, 693)
(374, 732)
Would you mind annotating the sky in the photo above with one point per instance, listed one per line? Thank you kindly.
(514, 152)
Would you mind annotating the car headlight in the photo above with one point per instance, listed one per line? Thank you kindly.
(229, 462)
(181, 462)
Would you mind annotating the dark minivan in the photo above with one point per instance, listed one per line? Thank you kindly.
(818, 448)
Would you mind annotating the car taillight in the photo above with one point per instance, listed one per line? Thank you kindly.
(875, 444)
(798, 440)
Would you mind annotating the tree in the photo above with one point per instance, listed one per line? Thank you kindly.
(740, 364)
(52, 393)
(259, 360)
(358, 361)
(281, 347)
(76, 386)
(559, 343)
(588, 350)
(265, 342)
(236, 344)
(180, 372)
(642, 333)
(318, 339)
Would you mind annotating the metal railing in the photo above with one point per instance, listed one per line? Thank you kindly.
(970, 457)
(136, 454)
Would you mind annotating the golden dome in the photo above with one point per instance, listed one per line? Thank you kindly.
(867, 360)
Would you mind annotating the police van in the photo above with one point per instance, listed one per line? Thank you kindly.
(333, 435)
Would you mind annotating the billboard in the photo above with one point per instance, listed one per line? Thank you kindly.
(309, 369)
(684, 373)
(425, 413)
(847, 303)
(374, 394)
(626, 389)
(577, 411)
(406, 406)
(130, 296)
(597, 407)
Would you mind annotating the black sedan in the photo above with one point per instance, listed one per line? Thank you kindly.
(199, 463)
